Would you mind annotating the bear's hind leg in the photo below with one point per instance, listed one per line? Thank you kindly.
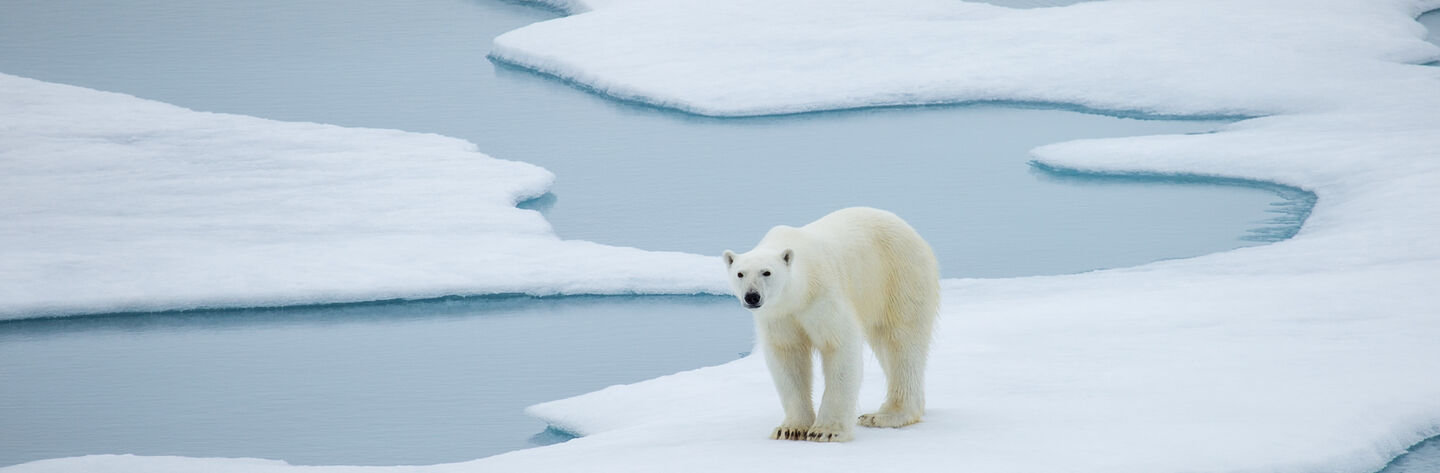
(903, 359)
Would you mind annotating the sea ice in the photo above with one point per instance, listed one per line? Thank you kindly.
(114, 203)
(755, 57)
(1313, 354)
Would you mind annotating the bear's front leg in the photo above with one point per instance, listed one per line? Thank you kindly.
(790, 367)
(843, 370)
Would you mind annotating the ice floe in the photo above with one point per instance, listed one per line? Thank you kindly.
(1313, 354)
(754, 57)
(114, 204)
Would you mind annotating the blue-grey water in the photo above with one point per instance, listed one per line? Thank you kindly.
(439, 381)
(390, 383)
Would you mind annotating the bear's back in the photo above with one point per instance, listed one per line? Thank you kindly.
(862, 230)
(874, 252)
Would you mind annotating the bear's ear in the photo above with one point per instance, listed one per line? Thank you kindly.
(788, 255)
(729, 258)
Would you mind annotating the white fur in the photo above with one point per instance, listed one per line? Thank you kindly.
(856, 273)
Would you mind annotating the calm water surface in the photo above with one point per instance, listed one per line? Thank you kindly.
(440, 381)
(633, 175)
(396, 383)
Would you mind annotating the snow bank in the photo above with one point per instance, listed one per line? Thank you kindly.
(1314, 354)
(113, 203)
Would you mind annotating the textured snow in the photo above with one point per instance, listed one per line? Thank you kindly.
(1313, 354)
(113, 203)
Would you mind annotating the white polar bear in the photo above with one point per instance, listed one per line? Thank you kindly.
(858, 271)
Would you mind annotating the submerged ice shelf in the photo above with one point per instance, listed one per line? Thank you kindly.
(1289, 213)
(1422, 458)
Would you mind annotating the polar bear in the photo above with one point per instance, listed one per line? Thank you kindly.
(857, 272)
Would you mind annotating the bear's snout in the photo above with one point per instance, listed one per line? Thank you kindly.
(752, 300)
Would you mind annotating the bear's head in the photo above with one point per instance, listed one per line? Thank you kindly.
(760, 275)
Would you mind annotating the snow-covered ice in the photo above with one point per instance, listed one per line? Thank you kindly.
(1313, 354)
(113, 203)
(752, 57)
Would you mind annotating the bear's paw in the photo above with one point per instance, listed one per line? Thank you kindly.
(786, 432)
(888, 419)
(829, 434)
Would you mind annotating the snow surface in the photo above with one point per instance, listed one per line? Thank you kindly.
(753, 57)
(113, 203)
(1313, 354)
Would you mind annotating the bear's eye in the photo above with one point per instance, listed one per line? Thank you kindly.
(766, 274)
(739, 275)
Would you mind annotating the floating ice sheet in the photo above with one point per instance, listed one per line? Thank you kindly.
(755, 57)
(1312, 354)
(114, 204)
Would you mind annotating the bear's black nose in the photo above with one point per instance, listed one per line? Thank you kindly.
(752, 299)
